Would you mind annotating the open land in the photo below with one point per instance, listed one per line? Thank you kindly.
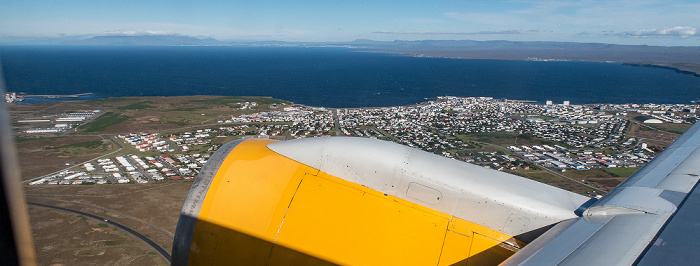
(150, 209)
(63, 238)
(132, 159)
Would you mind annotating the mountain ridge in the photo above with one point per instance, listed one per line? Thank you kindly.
(682, 58)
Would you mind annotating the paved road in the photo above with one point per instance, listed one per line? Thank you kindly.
(336, 121)
(155, 246)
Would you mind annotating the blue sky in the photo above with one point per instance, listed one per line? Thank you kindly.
(651, 22)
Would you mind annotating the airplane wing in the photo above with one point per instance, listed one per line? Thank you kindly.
(365, 201)
(652, 218)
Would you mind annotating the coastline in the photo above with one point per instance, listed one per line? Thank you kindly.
(690, 68)
(26, 99)
(225, 98)
(676, 69)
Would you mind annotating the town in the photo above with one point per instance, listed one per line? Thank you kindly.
(506, 135)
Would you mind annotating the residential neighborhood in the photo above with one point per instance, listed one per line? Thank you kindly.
(559, 137)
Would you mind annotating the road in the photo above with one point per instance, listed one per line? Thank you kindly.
(336, 121)
(113, 212)
(155, 246)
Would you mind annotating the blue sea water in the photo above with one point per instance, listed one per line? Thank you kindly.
(330, 77)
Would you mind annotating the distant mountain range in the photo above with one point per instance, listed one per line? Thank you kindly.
(514, 50)
(684, 58)
(114, 39)
(681, 58)
(157, 40)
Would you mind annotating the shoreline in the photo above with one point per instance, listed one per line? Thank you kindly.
(20, 97)
(55, 95)
(676, 69)
(693, 69)
(312, 106)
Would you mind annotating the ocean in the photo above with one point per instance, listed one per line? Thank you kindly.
(329, 77)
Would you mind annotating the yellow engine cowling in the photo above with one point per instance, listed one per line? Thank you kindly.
(251, 206)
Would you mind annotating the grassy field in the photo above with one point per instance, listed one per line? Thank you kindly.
(672, 128)
(549, 178)
(654, 137)
(86, 144)
(236, 101)
(103, 122)
(137, 106)
(41, 156)
(598, 177)
(80, 148)
(63, 238)
(622, 172)
(504, 139)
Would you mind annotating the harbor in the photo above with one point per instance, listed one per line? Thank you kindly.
(14, 97)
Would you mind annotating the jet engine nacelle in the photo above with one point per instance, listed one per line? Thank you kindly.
(358, 201)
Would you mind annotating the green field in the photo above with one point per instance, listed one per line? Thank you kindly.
(81, 148)
(137, 106)
(86, 144)
(235, 100)
(104, 121)
(549, 178)
(503, 139)
(622, 172)
(106, 100)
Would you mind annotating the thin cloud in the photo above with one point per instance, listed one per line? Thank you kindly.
(134, 33)
(496, 19)
(419, 21)
(678, 31)
(451, 33)
(499, 32)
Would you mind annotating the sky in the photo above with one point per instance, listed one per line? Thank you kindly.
(649, 22)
